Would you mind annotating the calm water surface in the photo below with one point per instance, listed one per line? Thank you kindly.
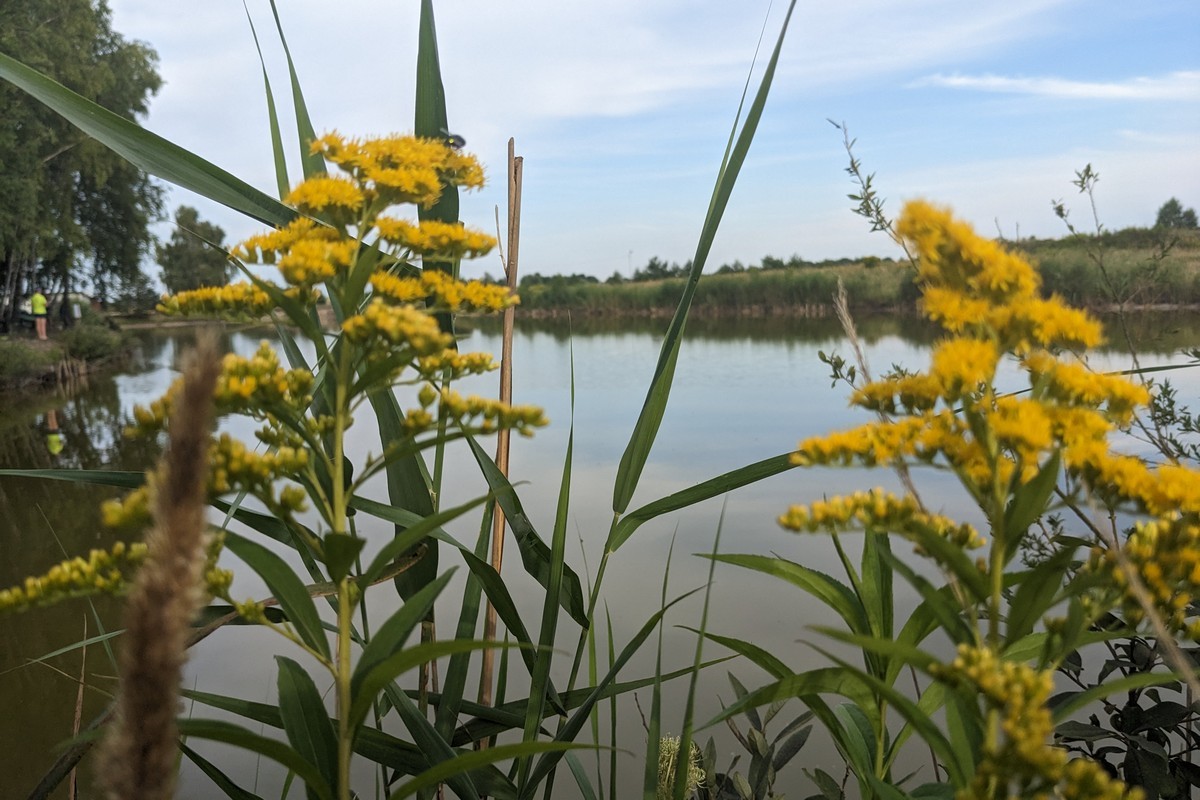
(745, 390)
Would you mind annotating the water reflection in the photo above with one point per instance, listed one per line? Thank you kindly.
(744, 390)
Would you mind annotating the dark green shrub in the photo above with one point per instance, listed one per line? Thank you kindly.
(92, 340)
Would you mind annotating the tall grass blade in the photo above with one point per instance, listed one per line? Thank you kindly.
(722, 484)
(228, 733)
(455, 684)
(633, 461)
(223, 781)
(540, 679)
(293, 597)
(313, 165)
(535, 555)
(145, 150)
(684, 759)
(478, 759)
(305, 720)
(654, 729)
(281, 175)
(575, 723)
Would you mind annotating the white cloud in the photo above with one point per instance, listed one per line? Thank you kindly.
(1174, 86)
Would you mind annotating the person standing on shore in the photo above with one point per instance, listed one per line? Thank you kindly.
(37, 304)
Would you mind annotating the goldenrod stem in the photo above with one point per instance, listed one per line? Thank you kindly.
(342, 679)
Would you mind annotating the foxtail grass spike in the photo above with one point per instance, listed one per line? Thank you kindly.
(139, 758)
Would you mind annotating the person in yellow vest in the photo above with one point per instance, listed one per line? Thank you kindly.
(54, 439)
(37, 304)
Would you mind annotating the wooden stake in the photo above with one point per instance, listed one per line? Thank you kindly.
(515, 169)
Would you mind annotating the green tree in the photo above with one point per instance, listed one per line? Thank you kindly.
(188, 261)
(70, 209)
(1174, 215)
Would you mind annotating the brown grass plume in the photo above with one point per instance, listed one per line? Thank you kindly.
(139, 755)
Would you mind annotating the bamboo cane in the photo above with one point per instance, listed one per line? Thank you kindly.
(515, 169)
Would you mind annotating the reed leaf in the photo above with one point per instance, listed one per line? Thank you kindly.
(305, 720)
(722, 484)
(535, 555)
(293, 597)
(283, 184)
(313, 165)
(145, 150)
(645, 430)
(229, 733)
(223, 781)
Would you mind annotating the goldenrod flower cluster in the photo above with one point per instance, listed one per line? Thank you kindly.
(260, 384)
(440, 241)
(484, 414)
(402, 169)
(988, 301)
(241, 300)
(877, 511)
(1165, 556)
(1021, 761)
(234, 466)
(103, 571)
(389, 329)
(443, 291)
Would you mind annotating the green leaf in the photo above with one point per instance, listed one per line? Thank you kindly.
(99, 477)
(479, 758)
(645, 430)
(281, 176)
(722, 484)
(1028, 503)
(773, 666)
(1036, 593)
(285, 586)
(435, 748)
(830, 591)
(535, 555)
(876, 590)
(305, 720)
(383, 673)
(228, 733)
(954, 559)
(223, 781)
(147, 151)
(454, 685)
(1136, 681)
(415, 529)
(341, 549)
(394, 632)
(540, 677)
(858, 737)
(408, 488)
(313, 164)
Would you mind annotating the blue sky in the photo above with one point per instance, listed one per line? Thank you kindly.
(622, 109)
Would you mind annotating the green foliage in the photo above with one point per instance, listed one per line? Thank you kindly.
(1172, 214)
(64, 198)
(20, 362)
(194, 256)
(92, 339)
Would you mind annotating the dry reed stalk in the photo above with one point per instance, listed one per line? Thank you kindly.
(515, 171)
(139, 752)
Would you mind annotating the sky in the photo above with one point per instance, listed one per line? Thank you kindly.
(622, 110)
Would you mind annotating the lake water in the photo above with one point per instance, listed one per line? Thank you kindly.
(745, 390)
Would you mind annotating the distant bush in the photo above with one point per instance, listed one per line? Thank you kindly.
(92, 340)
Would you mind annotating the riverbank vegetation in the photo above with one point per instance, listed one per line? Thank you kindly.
(1084, 552)
(86, 345)
(1145, 266)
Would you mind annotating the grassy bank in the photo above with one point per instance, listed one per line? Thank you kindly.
(27, 362)
(1126, 267)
